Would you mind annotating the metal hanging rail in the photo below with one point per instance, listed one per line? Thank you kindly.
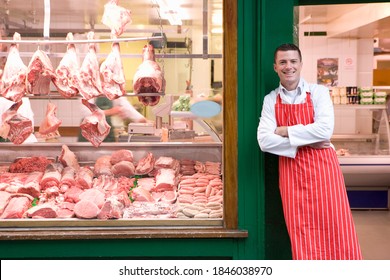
(85, 41)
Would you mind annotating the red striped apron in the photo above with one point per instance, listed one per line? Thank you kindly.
(315, 204)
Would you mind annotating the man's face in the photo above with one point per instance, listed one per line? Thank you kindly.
(288, 66)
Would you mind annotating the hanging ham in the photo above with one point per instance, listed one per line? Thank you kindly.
(94, 127)
(13, 81)
(15, 127)
(148, 78)
(40, 73)
(50, 123)
(116, 17)
(88, 77)
(69, 64)
(112, 74)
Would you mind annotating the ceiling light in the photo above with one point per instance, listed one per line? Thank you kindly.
(170, 10)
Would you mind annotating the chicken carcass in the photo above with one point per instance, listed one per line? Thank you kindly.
(148, 78)
(40, 73)
(88, 77)
(113, 76)
(94, 127)
(13, 80)
(50, 123)
(15, 127)
(116, 17)
(69, 65)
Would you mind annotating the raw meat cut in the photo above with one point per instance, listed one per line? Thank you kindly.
(116, 17)
(140, 194)
(65, 210)
(145, 164)
(73, 194)
(123, 168)
(69, 64)
(165, 180)
(50, 123)
(5, 197)
(94, 195)
(15, 127)
(45, 210)
(112, 209)
(148, 78)
(102, 166)
(88, 77)
(121, 155)
(86, 209)
(68, 158)
(52, 176)
(111, 70)
(67, 179)
(31, 185)
(84, 177)
(29, 164)
(40, 73)
(16, 208)
(13, 80)
(94, 127)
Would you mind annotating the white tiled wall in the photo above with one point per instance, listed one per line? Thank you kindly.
(68, 110)
(359, 73)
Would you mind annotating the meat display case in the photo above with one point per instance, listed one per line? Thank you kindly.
(364, 156)
(87, 155)
(225, 227)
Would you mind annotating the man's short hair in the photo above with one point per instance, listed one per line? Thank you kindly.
(287, 47)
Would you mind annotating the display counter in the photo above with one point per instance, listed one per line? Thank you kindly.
(155, 224)
(362, 144)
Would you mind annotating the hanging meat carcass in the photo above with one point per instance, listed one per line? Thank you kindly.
(13, 80)
(94, 127)
(116, 17)
(50, 123)
(40, 73)
(148, 78)
(112, 74)
(69, 65)
(15, 127)
(88, 77)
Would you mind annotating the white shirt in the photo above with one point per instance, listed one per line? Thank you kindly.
(24, 110)
(129, 111)
(299, 135)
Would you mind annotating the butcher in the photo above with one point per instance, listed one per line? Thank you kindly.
(24, 110)
(296, 124)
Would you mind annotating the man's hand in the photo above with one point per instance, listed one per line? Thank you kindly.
(282, 131)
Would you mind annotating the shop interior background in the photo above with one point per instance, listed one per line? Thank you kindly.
(192, 29)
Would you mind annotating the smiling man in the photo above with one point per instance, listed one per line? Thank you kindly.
(296, 124)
